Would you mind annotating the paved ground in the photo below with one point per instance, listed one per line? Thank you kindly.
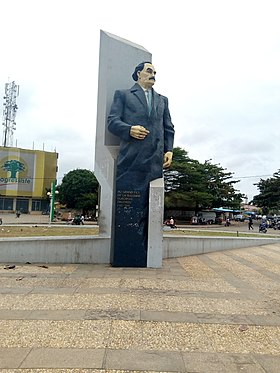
(217, 312)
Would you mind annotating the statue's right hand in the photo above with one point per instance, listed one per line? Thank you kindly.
(138, 132)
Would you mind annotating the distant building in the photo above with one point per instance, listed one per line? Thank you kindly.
(25, 176)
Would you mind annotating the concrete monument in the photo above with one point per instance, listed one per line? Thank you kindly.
(117, 58)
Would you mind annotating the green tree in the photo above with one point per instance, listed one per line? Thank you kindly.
(194, 185)
(13, 166)
(79, 189)
(184, 183)
(220, 185)
(269, 197)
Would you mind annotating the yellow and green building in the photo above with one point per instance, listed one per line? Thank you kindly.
(25, 177)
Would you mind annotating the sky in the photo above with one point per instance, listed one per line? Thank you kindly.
(217, 61)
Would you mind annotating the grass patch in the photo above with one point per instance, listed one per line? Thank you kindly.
(39, 231)
(192, 232)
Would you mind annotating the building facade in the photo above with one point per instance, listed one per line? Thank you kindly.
(25, 177)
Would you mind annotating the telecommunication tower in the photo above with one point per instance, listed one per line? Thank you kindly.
(9, 112)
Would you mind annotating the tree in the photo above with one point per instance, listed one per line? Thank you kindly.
(194, 185)
(79, 189)
(13, 167)
(220, 185)
(184, 183)
(269, 197)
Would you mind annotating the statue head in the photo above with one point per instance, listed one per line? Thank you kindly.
(144, 74)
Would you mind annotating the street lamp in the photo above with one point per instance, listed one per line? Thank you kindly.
(52, 195)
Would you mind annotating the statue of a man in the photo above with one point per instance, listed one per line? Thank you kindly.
(146, 134)
(140, 117)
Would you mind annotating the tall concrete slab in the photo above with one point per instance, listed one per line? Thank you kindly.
(155, 236)
(117, 60)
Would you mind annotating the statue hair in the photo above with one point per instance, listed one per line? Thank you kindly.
(139, 67)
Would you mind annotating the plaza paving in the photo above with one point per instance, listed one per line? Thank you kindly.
(217, 312)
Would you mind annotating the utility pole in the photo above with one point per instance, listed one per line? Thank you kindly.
(52, 195)
(9, 112)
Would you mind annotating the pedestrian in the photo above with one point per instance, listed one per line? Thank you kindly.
(172, 223)
(250, 223)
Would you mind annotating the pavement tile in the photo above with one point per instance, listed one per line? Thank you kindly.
(224, 338)
(144, 361)
(55, 315)
(172, 303)
(125, 335)
(204, 362)
(254, 339)
(187, 285)
(169, 316)
(52, 290)
(245, 273)
(212, 318)
(17, 290)
(273, 267)
(234, 307)
(192, 337)
(39, 333)
(121, 302)
(268, 253)
(269, 363)
(151, 331)
(91, 334)
(112, 315)
(267, 320)
(101, 282)
(64, 358)
(12, 357)
(261, 339)
(195, 268)
(44, 302)
(14, 314)
(130, 283)
(242, 363)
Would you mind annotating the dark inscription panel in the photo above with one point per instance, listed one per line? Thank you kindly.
(125, 198)
(130, 242)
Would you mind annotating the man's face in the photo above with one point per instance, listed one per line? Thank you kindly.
(146, 77)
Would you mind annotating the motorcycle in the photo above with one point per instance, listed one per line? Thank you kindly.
(77, 221)
(262, 228)
(227, 223)
(276, 225)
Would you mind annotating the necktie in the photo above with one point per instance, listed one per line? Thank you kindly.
(149, 100)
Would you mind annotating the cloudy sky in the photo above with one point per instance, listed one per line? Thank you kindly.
(217, 61)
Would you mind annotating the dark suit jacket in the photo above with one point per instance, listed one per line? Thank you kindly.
(141, 160)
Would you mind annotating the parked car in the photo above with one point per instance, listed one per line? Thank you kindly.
(239, 217)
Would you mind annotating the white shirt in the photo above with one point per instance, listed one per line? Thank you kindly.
(146, 93)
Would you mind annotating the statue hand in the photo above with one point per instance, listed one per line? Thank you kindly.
(138, 132)
(167, 159)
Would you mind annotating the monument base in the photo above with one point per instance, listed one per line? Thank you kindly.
(131, 228)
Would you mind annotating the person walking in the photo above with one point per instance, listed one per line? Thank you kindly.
(250, 223)
(172, 223)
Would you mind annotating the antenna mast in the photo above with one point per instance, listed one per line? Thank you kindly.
(9, 113)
